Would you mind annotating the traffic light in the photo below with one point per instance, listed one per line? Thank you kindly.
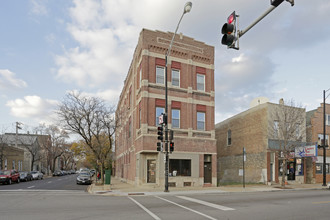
(171, 135)
(159, 146)
(171, 147)
(228, 30)
(276, 3)
(160, 133)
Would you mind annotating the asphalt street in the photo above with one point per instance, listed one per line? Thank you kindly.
(59, 198)
(67, 182)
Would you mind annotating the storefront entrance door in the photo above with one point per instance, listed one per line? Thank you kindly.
(207, 172)
(151, 168)
(291, 170)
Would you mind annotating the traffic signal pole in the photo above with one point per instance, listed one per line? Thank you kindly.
(274, 4)
(241, 33)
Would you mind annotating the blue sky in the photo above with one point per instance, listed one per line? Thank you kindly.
(50, 47)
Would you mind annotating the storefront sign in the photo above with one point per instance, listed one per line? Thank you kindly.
(308, 151)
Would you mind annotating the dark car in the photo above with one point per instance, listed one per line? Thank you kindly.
(58, 173)
(9, 176)
(84, 178)
(25, 176)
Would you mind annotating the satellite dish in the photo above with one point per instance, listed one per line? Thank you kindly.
(258, 101)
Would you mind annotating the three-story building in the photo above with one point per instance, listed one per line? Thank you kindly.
(190, 113)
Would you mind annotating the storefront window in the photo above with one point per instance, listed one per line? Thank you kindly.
(180, 167)
(280, 167)
(319, 168)
(299, 167)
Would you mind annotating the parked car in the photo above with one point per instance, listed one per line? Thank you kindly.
(25, 176)
(9, 176)
(58, 173)
(84, 178)
(37, 175)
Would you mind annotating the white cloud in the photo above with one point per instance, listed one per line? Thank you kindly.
(9, 81)
(106, 33)
(38, 7)
(32, 107)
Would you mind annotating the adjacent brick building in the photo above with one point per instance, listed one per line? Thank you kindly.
(191, 112)
(315, 135)
(11, 157)
(258, 132)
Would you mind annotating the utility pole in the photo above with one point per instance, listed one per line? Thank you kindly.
(16, 136)
(324, 139)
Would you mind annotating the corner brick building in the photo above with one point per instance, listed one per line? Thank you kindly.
(190, 113)
(253, 130)
(315, 135)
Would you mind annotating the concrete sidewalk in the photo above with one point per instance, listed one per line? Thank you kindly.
(120, 188)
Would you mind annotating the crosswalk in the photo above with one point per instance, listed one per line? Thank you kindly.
(173, 201)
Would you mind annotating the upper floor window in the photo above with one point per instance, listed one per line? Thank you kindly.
(176, 78)
(200, 82)
(175, 118)
(130, 128)
(229, 137)
(140, 117)
(140, 77)
(327, 119)
(201, 121)
(276, 129)
(320, 140)
(297, 130)
(160, 75)
(159, 111)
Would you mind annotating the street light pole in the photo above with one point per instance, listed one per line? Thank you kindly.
(324, 146)
(187, 8)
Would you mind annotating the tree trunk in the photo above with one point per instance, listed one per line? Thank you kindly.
(32, 162)
(102, 173)
(284, 173)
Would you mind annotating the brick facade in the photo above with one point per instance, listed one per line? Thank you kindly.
(314, 129)
(251, 130)
(11, 158)
(137, 160)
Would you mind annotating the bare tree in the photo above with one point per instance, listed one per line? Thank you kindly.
(68, 159)
(55, 145)
(91, 119)
(30, 143)
(288, 129)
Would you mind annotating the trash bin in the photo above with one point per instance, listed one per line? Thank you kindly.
(107, 177)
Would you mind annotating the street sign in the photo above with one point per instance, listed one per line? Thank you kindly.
(161, 119)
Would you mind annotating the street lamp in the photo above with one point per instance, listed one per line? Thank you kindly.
(187, 8)
(324, 149)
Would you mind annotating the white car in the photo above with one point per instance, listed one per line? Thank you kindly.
(37, 175)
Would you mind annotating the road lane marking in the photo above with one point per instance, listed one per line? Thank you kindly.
(322, 202)
(145, 209)
(184, 207)
(50, 182)
(30, 187)
(224, 208)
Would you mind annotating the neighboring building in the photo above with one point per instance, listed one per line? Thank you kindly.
(11, 158)
(191, 113)
(315, 135)
(258, 131)
(31, 144)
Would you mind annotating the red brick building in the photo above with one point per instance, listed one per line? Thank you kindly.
(190, 112)
(315, 135)
(259, 131)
